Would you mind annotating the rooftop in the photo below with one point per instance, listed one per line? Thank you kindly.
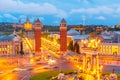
(63, 21)
(6, 38)
(79, 37)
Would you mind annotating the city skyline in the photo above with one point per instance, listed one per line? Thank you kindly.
(50, 12)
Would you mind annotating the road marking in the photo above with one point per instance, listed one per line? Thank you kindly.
(26, 76)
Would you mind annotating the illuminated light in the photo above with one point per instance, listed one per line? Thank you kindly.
(93, 43)
(101, 67)
(77, 66)
(28, 42)
(32, 61)
(84, 42)
(80, 68)
(94, 72)
(50, 61)
(28, 26)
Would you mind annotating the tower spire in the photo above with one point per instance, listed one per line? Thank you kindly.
(63, 21)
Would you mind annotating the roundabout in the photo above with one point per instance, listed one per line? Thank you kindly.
(89, 70)
(51, 75)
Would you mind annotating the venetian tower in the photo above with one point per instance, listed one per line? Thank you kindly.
(63, 36)
(38, 29)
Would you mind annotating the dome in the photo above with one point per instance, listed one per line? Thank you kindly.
(72, 32)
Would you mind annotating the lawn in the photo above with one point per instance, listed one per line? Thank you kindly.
(48, 75)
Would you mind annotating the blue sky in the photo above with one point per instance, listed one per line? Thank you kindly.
(105, 12)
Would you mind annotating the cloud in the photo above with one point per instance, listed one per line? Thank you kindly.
(22, 17)
(42, 18)
(29, 8)
(101, 18)
(61, 14)
(78, 0)
(56, 22)
(83, 1)
(9, 16)
(94, 10)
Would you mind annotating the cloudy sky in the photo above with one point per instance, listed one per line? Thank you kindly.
(106, 12)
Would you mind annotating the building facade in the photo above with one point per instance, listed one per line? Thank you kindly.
(10, 45)
(110, 49)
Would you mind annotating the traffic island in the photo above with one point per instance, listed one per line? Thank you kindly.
(51, 75)
(68, 74)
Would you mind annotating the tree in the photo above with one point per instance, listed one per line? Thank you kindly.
(70, 46)
(76, 47)
(58, 41)
(45, 34)
(21, 48)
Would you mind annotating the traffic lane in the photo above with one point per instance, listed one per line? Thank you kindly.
(22, 75)
(108, 68)
(9, 76)
(66, 64)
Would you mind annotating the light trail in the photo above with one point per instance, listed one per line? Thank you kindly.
(51, 47)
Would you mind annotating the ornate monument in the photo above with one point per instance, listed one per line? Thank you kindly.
(91, 65)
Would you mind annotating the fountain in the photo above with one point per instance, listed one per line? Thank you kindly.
(91, 68)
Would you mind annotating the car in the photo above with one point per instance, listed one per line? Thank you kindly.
(41, 62)
(29, 69)
(55, 66)
(29, 65)
(47, 67)
(19, 69)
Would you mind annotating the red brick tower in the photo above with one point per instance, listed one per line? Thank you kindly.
(38, 28)
(63, 36)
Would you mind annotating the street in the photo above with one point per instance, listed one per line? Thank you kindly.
(61, 64)
(25, 72)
